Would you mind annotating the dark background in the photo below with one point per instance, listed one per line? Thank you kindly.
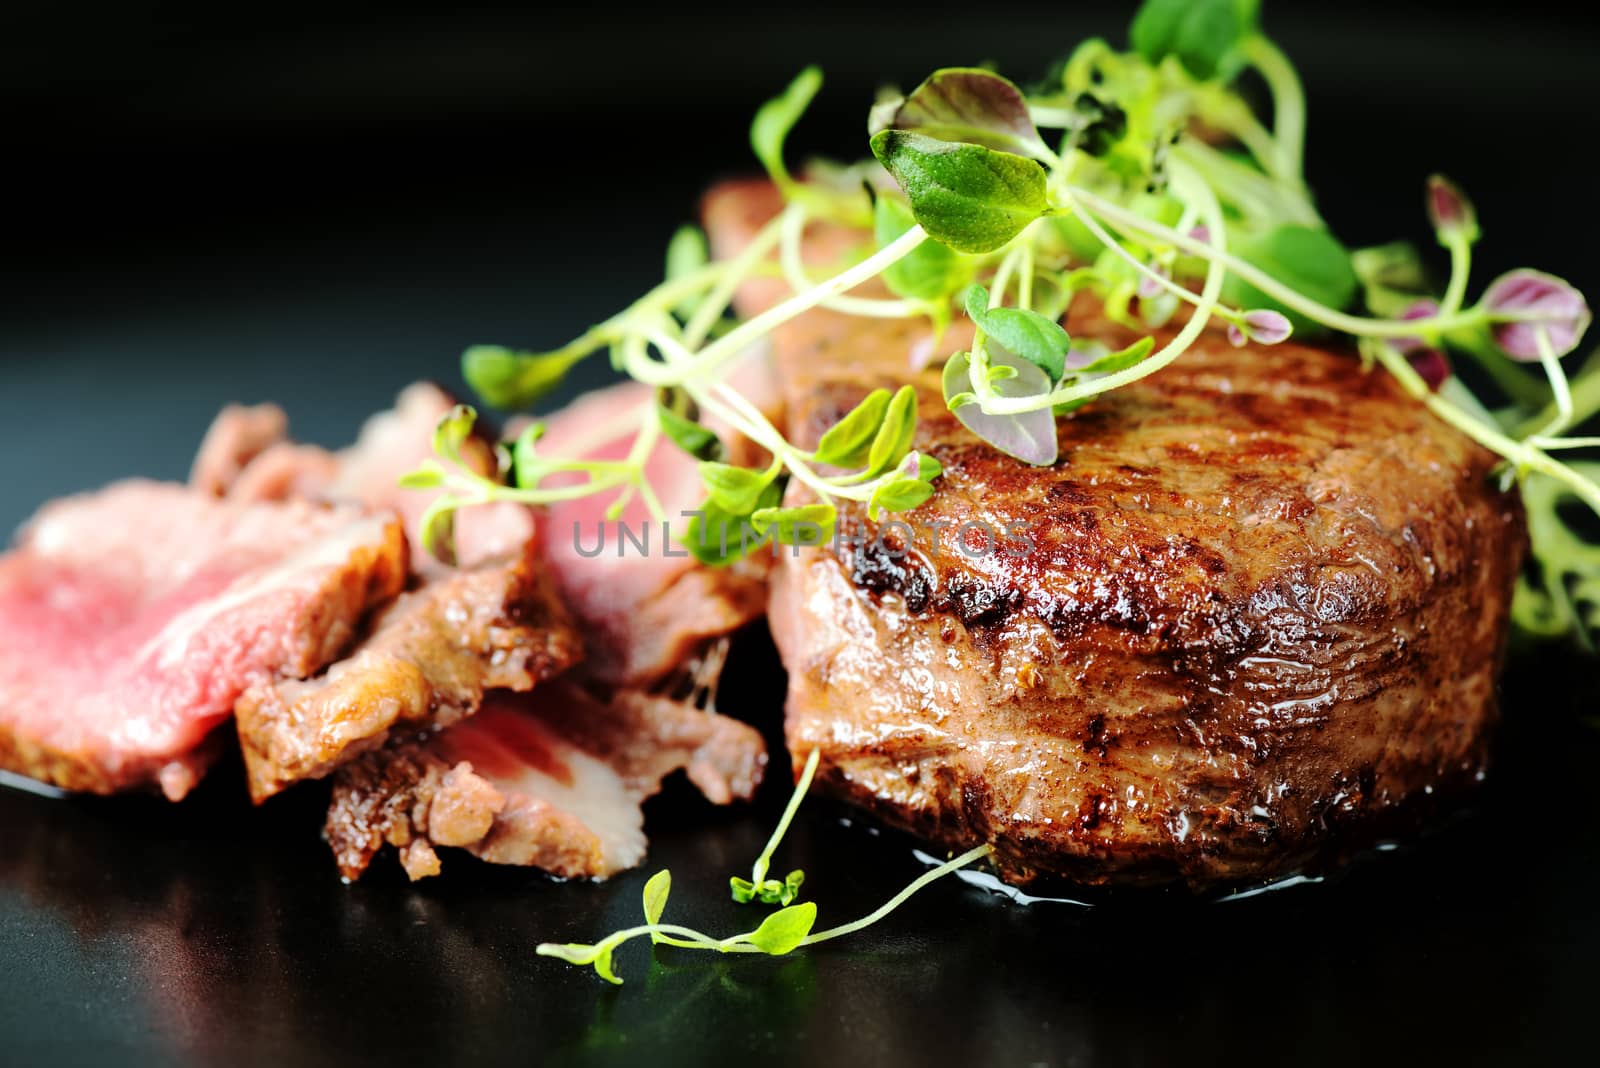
(318, 203)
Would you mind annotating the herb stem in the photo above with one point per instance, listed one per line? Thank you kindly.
(1288, 102)
(758, 872)
(736, 270)
(1455, 292)
(1194, 190)
(932, 875)
(789, 255)
(734, 342)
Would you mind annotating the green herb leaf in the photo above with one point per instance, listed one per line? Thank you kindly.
(717, 537)
(847, 442)
(899, 495)
(1308, 260)
(439, 529)
(894, 436)
(973, 106)
(743, 890)
(602, 966)
(527, 466)
(968, 197)
(655, 899)
(1121, 359)
(452, 431)
(1031, 436)
(1204, 35)
(785, 929)
(427, 475)
(931, 271)
(777, 117)
(735, 489)
(1026, 333)
(687, 252)
(791, 887)
(508, 379)
(688, 435)
(803, 525)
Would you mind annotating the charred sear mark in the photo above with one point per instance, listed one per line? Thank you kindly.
(1096, 742)
(978, 603)
(879, 568)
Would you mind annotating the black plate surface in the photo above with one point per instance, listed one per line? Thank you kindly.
(231, 207)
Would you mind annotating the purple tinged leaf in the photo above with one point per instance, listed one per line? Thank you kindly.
(1449, 210)
(1150, 285)
(1201, 234)
(1420, 309)
(1267, 327)
(1432, 365)
(971, 106)
(1262, 326)
(1559, 310)
(1030, 436)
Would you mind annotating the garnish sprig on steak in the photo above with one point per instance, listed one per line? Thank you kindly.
(1142, 177)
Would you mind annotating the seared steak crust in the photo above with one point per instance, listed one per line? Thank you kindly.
(428, 658)
(1262, 597)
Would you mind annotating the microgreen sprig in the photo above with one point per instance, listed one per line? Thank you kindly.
(781, 932)
(1005, 205)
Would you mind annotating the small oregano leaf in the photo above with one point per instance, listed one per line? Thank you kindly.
(898, 495)
(777, 117)
(804, 525)
(784, 930)
(974, 106)
(655, 899)
(1030, 436)
(735, 489)
(508, 379)
(1204, 35)
(894, 436)
(1022, 331)
(438, 525)
(846, 443)
(688, 435)
(968, 197)
(427, 475)
(1121, 359)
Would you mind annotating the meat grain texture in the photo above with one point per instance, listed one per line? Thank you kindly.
(1261, 600)
(137, 615)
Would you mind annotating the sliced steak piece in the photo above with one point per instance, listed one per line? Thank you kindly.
(552, 780)
(1262, 599)
(646, 605)
(247, 455)
(137, 615)
(427, 659)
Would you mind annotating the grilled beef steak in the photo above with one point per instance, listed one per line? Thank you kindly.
(552, 779)
(137, 615)
(427, 661)
(1261, 598)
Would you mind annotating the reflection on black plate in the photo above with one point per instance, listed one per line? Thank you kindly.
(213, 933)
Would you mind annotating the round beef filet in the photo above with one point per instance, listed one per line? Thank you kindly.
(1258, 606)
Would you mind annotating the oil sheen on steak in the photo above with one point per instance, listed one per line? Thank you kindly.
(1262, 597)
